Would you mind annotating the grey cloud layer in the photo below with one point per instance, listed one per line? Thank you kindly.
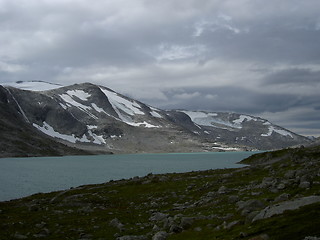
(245, 56)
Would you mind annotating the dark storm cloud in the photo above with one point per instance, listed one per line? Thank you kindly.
(234, 99)
(294, 75)
(253, 57)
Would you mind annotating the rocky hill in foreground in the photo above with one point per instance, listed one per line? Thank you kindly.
(95, 118)
(277, 196)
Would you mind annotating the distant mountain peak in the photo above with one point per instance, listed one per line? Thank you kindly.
(87, 114)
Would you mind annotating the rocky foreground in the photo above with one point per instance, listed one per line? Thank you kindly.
(276, 197)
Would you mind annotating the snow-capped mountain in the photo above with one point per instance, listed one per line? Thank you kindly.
(95, 117)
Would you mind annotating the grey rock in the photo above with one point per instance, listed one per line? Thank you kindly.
(249, 206)
(158, 216)
(117, 224)
(311, 238)
(282, 197)
(305, 184)
(288, 205)
(162, 235)
(174, 228)
(290, 174)
(222, 190)
(19, 236)
(232, 224)
(233, 199)
(132, 237)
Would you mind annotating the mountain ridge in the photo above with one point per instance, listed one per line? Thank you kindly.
(89, 116)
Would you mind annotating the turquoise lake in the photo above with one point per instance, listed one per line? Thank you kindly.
(21, 177)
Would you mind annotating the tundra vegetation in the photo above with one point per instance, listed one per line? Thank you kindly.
(277, 196)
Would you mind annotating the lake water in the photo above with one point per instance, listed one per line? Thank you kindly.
(21, 177)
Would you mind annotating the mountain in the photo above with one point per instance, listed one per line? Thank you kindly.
(20, 139)
(96, 118)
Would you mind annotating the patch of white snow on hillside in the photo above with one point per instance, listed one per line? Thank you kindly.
(96, 138)
(279, 131)
(242, 118)
(210, 120)
(98, 109)
(142, 124)
(68, 99)
(90, 127)
(47, 129)
(201, 118)
(199, 115)
(120, 103)
(33, 85)
(79, 94)
(155, 113)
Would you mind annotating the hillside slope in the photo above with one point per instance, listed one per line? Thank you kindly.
(20, 139)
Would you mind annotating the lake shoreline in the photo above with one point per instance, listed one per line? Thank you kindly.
(275, 197)
(26, 176)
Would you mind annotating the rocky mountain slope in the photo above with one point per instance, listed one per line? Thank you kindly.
(277, 196)
(93, 117)
(19, 138)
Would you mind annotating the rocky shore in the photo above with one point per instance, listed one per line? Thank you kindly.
(277, 196)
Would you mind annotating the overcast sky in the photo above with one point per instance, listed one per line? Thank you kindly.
(248, 56)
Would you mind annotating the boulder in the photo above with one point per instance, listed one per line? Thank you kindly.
(162, 235)
(288, 205)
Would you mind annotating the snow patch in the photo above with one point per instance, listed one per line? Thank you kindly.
(242, 118)
(68, 99)
(96, 138)
(33, 85)
(79, 94)
(119, 103)
(201, 118)
(98, 109)
(142, 124)
(47, 129)
(279, 131)
(90, 127)
(155, 112)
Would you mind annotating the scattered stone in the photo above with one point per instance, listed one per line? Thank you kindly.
(290, 174)
(132, 237)
(41, 225)
(156, 228)
(158, 216)
(282, 197)
(311, 238)
(175, 228)
(233, 199)
(19, 236)
(260, 237)
(305, 185)
(162, 235)
(222, 190)
(281, 186)
(249, 206)
(117, 224)
(232, 224)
